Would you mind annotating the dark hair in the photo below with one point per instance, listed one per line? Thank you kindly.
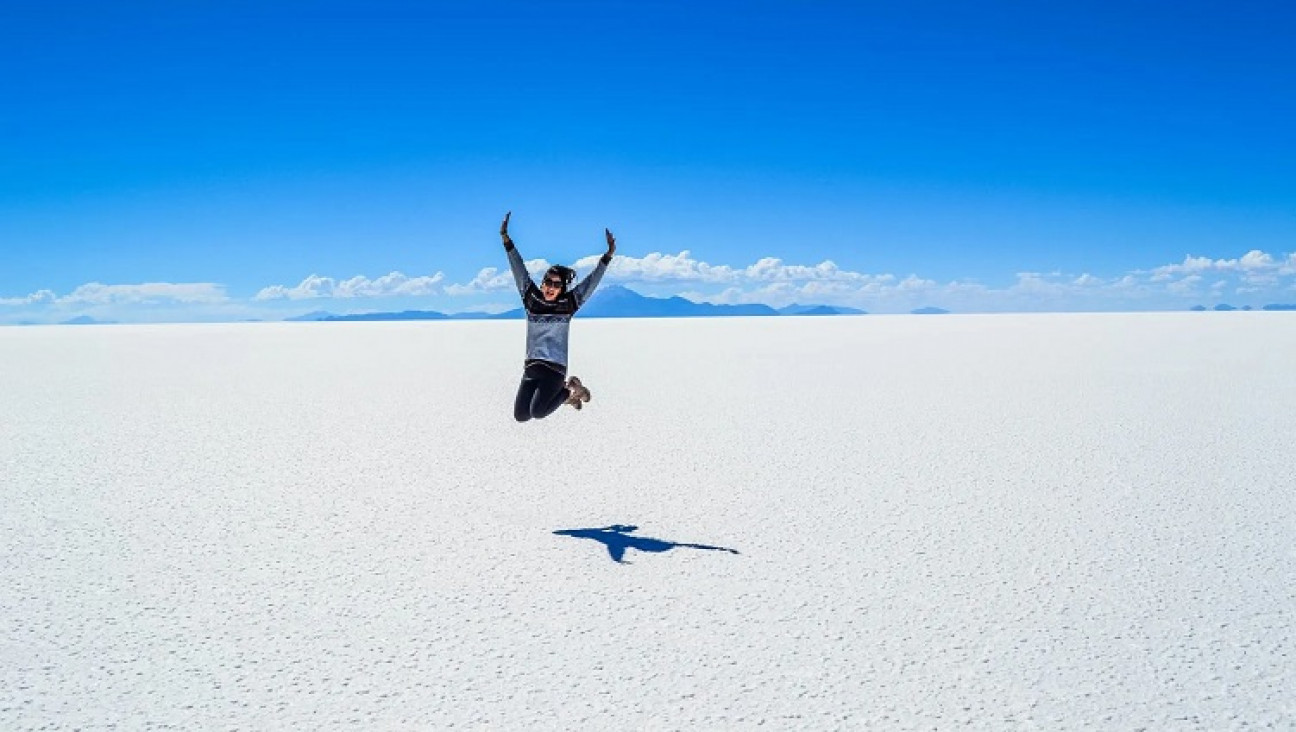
(566, 274)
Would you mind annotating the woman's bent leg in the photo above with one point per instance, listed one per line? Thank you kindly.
(522, 402)
(550, 392)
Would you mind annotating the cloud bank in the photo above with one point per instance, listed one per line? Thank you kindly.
(1254, 278)
(395, 284)
(148, 293)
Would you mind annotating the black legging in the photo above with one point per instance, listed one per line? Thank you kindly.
(542, 391)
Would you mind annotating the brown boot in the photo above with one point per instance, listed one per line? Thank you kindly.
(578, 391)
(573, 397)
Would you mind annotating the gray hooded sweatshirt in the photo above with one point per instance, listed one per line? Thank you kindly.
(548, 322)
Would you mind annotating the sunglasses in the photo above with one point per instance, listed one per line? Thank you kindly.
(553, 283)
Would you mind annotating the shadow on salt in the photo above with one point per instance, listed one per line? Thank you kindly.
(617, 538)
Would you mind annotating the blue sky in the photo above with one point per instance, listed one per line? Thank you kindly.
(229, 160)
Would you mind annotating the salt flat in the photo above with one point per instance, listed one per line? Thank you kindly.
(1053, 521)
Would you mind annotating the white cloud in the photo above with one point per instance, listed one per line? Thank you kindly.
(913, 283)
(1038, 284)
(1189, 265)
(1185, 286)
(149, 293)
(1288, 267)
(395, 284)
(1256, 259)
(492, 279)
(489, 279)
(311, 287)
(1261, 280)
(769, 280)
(40, 297)
(658, 267)
(1259, 276)
(771, 269)
(775, 282)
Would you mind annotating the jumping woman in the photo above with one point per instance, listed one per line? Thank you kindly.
(549, 310)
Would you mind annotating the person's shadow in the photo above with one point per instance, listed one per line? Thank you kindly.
(617, 539)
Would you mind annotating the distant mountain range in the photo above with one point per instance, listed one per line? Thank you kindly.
(87, 320)
(613, 301)
(616, 301)
(1225, 307)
